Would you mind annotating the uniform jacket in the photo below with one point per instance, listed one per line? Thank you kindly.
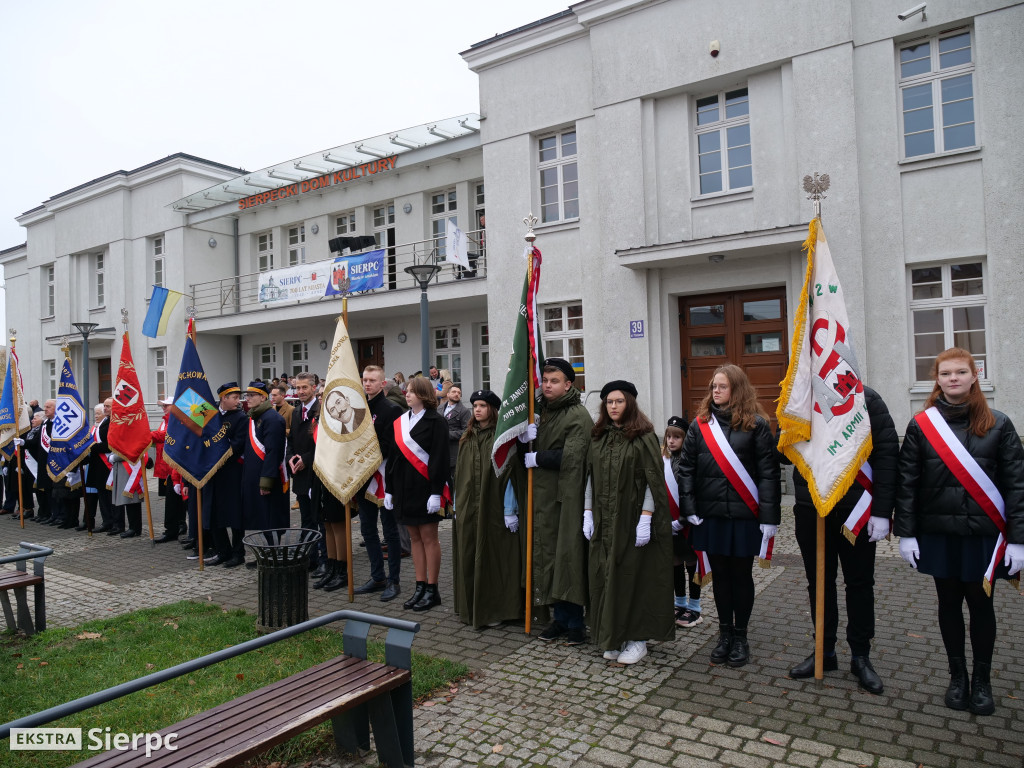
(300, 443)
(270, 511)
(930, 499)
(409, 489)
(226, 484)
(33, 444)
(161, 469)
(458, 420)
(98, 470)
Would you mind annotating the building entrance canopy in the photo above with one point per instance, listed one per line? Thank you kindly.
(339, 164)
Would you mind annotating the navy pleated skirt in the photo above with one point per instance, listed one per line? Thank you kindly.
(963, 558)
(734, 538)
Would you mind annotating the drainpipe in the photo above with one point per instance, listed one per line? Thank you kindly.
(238, 297)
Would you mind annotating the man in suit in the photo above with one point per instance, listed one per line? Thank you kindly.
(37, 443)
(300, 456)
(458, 417)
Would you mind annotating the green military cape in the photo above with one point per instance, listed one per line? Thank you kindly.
(559, 549)
(486, 559)
(631, 589)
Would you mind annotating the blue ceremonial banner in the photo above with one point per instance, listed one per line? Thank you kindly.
(195, 442)
(70, 439)
(363, 271)
(14, 419)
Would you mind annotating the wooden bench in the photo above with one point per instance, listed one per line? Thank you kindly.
(355, 694)
(18, 581)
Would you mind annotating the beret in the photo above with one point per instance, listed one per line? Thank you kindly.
(677, 422)
(487, 396)
(620, 385)
(563, 366)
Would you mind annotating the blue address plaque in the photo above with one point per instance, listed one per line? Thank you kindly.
(636, 329)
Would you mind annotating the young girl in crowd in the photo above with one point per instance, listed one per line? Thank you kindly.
(684, 559)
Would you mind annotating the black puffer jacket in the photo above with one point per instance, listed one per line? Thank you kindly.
(931, 500)
(885, 449)
(704, 489)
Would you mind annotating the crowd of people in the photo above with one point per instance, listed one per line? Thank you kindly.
(626, 528)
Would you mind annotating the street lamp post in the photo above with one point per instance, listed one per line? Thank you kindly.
(85, 329)
(423, 274)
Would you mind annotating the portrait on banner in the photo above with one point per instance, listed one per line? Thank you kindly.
(344, 408)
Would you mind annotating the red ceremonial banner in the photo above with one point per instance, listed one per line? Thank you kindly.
(129, 435)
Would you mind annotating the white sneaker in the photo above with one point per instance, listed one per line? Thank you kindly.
(633, 652)
(611, 655)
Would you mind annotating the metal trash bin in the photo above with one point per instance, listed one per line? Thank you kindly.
(282, 562)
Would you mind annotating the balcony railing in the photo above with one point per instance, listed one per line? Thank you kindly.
(231, 295)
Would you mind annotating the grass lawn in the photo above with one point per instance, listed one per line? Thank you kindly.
(61, 664)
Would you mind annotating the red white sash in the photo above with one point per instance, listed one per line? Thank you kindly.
(375, 489)
(737, 475)
(672, 487)
(703, 574)
(415, 454)
(862, 509)
(134, 484)
(971, 476)
(44, 438)
(261, 452)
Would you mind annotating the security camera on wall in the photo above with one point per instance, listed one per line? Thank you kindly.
(913, 12)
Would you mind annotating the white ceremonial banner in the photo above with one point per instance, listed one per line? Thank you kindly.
(298, 283)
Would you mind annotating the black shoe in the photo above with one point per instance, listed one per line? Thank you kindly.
(212, 560)
(164, 539)
(576, 636)
(431, 597)
(250, 565)
(371, 586)
(739, 653)
(958, 694)
(70, 524)
(115, 531)
(188, 544)
(981, 690)
(54, 521)
(393, 590)
(81, 528)
(421, 587)
(315, 565)
(322, 570)
(339, 577)
(331, 567)
(103, 528)
(554, 631)
(806, 667)
(867, 678)
(131, 533)
(234, 562)
(721, 651)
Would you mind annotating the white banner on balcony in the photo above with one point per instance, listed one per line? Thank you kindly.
(299, 283)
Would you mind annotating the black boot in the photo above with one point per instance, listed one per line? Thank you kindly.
(321, 570)
(721, 651)
(339, 577)
(328, 574)
(739, 653)
(981, 689)
(957, 694)
(417, 595)
(431, 597)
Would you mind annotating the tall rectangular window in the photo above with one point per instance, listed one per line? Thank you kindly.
(298, 357)
(947, 305)
(158, 261)
(265, 251)
(160, 372)
(443, 207)
(296, 245)
(559, 177)
(266, 362)
(937, 94)
(485, 357)
(383, 219)
(50, 366)
(563, 336)
(99, 280)
(47, 298)
(345, 224)
(448, 351)
(724, 162)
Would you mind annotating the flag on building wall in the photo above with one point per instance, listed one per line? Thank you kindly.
(128, 435)
(161, 304)
(823, 418)
(15, 419)
(347, 453)
(70, 439)
(527, 359)
(196, 441)
(456, 246)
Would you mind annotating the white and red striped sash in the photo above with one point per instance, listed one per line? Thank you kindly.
(261, 452)
(134, 485)
(416, 455)
(971, 476)
(44, 438)
(95, 432)
(861, 513)
(737, 475)
(672, 486)
(375, 489)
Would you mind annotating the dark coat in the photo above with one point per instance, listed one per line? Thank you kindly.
(705, 491)
(300, 443)
(226, 484)
(34, 445)
(885, 449)
(408, 488)
(270, 511)
(98, 472)
(930, 499)
(458, 420)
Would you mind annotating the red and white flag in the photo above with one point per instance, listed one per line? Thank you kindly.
(128, 435)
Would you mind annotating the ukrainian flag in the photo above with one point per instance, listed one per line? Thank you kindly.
(161, 304)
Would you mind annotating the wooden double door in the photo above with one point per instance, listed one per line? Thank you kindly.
(370, 352)
(748, 328)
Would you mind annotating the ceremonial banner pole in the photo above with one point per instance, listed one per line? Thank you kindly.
(530, 237)
(199, 524)
(348, 504)
(17, 451)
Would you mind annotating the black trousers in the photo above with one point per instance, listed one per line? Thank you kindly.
(174, 508)
(858, 562)
(228, 545)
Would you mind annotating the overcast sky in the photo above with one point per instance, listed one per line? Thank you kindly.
(88, 88)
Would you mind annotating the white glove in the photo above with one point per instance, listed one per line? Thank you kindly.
(588, 524)
(694, 520)
(1014, 559)
(910, 551)
(388, 501)
(112, 458)
(512, 523)
(878, 528)
(768, 531)
(677, 526)
(643, 530)
(433, 505)
(177, 488)
(19, 442)
(529, 434)
(530, 460)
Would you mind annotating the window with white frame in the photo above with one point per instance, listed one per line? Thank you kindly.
(47, 298)
(947, 307)
(265, 251)
(443, 207)
(448, 351)
(563, 336)
(160, 372)
(298, 357)
(383, 219)
(485, 357)
(937, 94)
(50, 366)
(98, 280)
(724, 162)
(266, 361)
(345, 224)
(559, 177)
(296, 245)
(158, 261)
(478, 217)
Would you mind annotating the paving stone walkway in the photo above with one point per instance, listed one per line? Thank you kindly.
(531, 703)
